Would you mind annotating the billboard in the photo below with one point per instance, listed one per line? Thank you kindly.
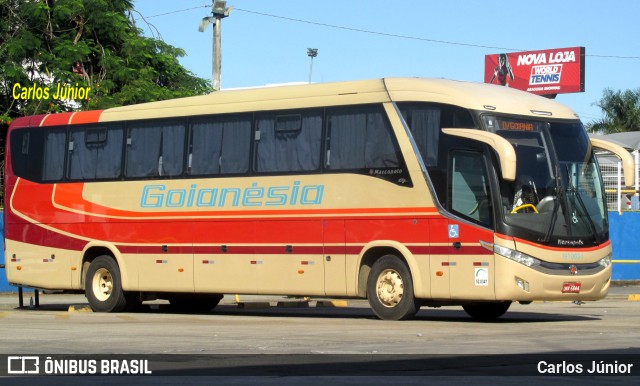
(545, 72)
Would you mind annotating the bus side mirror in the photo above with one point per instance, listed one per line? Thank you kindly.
(628, 164)
(504, 149)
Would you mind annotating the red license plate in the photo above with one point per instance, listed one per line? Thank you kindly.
(571, 288)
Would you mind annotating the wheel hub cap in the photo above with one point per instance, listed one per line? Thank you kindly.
(102, 284)
(389, 288)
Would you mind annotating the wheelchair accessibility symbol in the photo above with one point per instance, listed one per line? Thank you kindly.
(453, 231)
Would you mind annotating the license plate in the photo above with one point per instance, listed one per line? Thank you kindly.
(571, 288)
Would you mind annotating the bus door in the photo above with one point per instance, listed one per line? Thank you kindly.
(469, 197)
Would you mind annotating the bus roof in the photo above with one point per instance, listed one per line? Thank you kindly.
(476, 96)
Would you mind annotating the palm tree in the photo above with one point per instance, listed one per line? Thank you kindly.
(622, 112)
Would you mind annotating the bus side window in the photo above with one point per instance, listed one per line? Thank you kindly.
(360, 139)
(39, 155)
(424, 124)
(425, 120)
(53, 159)
(220, 145)
(94, 153)
(155, 149)
(288, 142)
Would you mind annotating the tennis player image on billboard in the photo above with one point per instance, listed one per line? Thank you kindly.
(502, 71)
(546, 72)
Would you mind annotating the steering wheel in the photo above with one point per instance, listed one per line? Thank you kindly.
(517, 208)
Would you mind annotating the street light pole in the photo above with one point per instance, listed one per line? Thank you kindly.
(312, 53)
(217, 53)
(220, 11)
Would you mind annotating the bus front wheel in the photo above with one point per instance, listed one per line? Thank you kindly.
(103, 286)
(486, 311)
(390, 289)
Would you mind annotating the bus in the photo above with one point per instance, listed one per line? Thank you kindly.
(408, 192)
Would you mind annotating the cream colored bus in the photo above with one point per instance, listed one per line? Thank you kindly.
(407, 192)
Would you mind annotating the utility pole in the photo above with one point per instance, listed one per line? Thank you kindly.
(312, 53)
(219, 11)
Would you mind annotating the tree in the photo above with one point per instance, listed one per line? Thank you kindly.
(622, 112)
(91, 44)
(82, 44)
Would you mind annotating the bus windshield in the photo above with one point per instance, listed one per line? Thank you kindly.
(557, 197)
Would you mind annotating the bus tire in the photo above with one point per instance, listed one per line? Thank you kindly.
(390, 289)
(188, 302)
(486, 311)
(103, 286)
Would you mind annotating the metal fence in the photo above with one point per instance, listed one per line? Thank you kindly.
(620, 198)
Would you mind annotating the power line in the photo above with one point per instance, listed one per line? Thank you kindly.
(180, 10)
(412, 37)
(613, 56)
(377, 32)
(408, 37)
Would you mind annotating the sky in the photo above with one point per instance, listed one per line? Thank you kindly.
(262, 45)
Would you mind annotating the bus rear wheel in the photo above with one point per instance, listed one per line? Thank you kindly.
(390, 289)
(486, 311)
(103, 286)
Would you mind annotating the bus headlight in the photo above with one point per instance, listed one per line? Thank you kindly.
(605, 261)
(516, 256)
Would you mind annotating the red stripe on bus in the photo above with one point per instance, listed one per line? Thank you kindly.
(32, 121)
(166, 235)
(56, 119)
(420, 249)
(464, 250)
(154, 249)
(36, 235)
(81, 117)
(335, 250)
(69, 196)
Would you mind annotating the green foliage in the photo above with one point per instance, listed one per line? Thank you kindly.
(622, 112)
(91, 43)
(88, 43)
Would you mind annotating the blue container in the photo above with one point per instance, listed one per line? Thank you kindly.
(624, 230)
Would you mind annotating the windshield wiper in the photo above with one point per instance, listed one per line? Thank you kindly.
(583, 207)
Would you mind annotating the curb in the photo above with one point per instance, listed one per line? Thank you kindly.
(79, 308)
